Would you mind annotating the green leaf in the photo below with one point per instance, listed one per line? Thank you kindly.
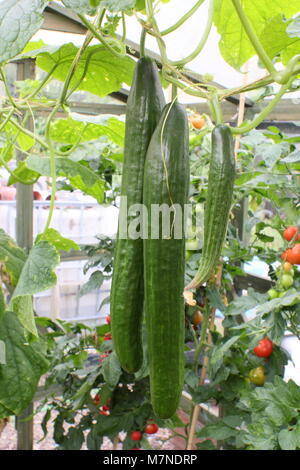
(217, 431)
(101, 72)
(217, 354)
(23, 174)
(57, 240)
(111, 370)
(245, 302)
(24, 141)
(206, 445)
(291, 297)
(12, 258)
(79, 175)
(24, 366)
(37, 275)
(118, 5)
(20, 19)
(288, 439)
(80, 6)
(234, 45)
(93, 283)
(68, 130)
(274, 37)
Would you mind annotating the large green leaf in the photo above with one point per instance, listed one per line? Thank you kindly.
(101, 71)
(19, 20)
(118, 5)
(37, 275)
(277, 41)
(234, 44)
(57, 240)
(79, 175)
(24, 364)
(68, 130)
(80, 6)
(12, 259)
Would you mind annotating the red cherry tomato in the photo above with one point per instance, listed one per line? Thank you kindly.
(290, 233)
(293, 254)
(136, 435)
(97, 399)
(264, 348)
(197, 122)
(151, 428)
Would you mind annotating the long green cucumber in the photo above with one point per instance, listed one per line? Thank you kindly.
(144, 106)
(166, 181)
(218, 202)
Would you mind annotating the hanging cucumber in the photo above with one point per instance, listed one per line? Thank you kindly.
(166, 181)
(144, 106)
(218, 202)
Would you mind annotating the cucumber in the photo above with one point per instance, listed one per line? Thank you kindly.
(166, 181)
(144, 106)
(218, 202)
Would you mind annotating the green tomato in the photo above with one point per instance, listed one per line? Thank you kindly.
(286, 281)
(257, 376)
(273, 294)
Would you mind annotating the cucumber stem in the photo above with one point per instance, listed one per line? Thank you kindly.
(142, 42)
(182, 19)
(264, 113)
(203, 40)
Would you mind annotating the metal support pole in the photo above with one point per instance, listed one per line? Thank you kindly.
(24, 238)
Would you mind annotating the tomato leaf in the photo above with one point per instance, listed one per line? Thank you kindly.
(94, 282)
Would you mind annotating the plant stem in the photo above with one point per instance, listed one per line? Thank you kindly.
(216, 109)
(9, 96)
(174, 92)
(185, 88)
(265, 59)
(124, 27)
(264, 113)
(203, 39)
(99, 36)
(42, 84)
(3, 124)
(182, 19)
(142, 42)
